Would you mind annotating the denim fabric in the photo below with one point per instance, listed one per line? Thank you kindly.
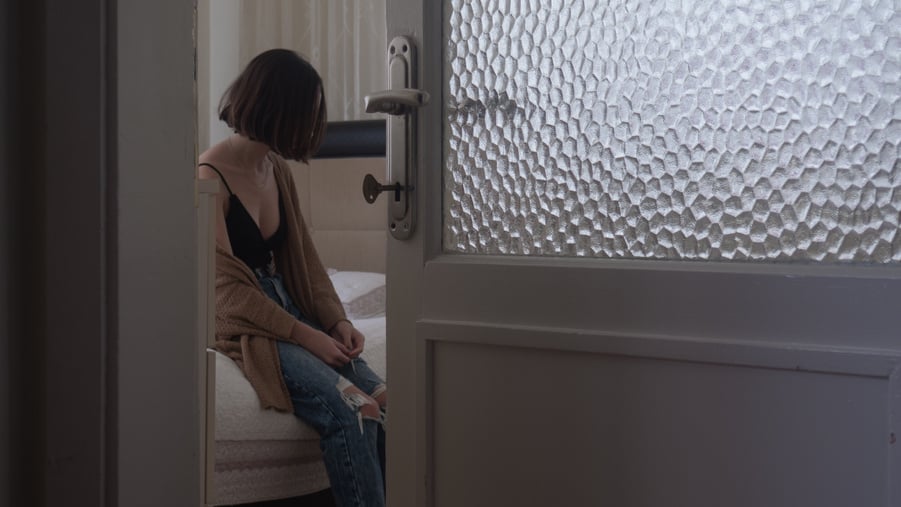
(353, 447)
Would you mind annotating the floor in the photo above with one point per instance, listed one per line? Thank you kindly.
(321, 499)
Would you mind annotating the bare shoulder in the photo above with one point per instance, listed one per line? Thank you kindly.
(211, 164)
(205, 172)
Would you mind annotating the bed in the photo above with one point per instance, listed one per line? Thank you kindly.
(250, 454)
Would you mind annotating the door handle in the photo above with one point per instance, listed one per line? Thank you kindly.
(396, 102)
(401, 101)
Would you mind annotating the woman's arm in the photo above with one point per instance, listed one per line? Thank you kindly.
(326, 306)
(329, 309)
(332, 352)
(345, 333)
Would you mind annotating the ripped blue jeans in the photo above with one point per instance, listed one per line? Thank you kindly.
(353, 446)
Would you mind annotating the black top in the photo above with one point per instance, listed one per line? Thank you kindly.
(244, 235)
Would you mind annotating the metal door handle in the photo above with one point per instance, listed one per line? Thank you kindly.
(401, 101)
(396, 102)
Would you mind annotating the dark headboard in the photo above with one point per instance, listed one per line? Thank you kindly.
(347, 139)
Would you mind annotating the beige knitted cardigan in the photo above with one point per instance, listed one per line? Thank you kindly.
(248, 322)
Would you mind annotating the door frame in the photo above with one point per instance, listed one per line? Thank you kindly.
(102, 174)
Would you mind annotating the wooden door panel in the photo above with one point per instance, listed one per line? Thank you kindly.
(542, 426)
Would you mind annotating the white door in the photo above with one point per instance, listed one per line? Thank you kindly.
(656, 260)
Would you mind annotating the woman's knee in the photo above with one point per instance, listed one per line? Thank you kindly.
(301, 367)
(357, 401)
(380, 395)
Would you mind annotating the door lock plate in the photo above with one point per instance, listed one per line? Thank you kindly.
(401, 102)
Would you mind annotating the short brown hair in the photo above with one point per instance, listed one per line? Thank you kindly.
(279, 100)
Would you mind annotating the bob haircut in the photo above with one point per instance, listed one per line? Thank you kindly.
(278, 99)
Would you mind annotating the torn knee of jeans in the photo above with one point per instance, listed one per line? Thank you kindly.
(364, 406)
(380, 395)
(379, 391)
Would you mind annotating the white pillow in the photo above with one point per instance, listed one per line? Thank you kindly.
(361, 292)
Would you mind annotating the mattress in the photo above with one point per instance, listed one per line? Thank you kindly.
(265, 455)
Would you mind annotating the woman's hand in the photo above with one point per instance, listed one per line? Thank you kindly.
(332, 352)
(346, 334)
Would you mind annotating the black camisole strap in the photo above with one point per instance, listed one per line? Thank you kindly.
(220, 176)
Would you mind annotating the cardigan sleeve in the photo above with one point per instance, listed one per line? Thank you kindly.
(326, 306)
(243, 308)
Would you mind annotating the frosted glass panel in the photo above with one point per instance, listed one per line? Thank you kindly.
(697, 130)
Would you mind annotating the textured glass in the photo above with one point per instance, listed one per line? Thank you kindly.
(698, 130)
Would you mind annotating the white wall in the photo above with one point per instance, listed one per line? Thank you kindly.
(218, 63)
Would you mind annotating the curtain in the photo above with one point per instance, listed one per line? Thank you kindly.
(344, 39)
